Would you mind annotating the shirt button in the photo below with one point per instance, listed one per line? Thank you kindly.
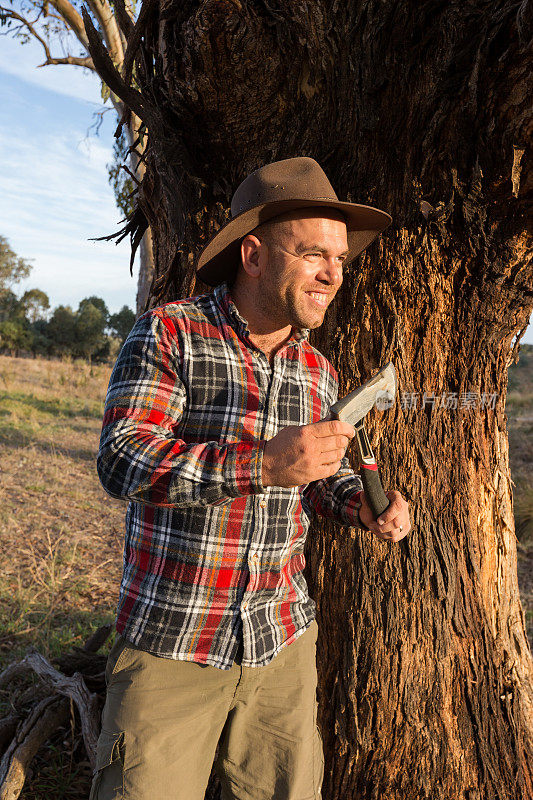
(254, 556)
(244, 605)
(263, 504)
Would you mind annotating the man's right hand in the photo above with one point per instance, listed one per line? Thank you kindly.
(300, 454)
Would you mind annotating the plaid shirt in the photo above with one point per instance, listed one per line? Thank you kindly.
(212, 557)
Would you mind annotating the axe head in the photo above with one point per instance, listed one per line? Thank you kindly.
(379, 391)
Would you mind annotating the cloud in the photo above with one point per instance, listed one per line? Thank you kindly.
(21, 61)
(54, 196)
(99, 155)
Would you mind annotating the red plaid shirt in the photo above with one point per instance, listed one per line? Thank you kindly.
(211, 556)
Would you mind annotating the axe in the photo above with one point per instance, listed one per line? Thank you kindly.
(379, 391)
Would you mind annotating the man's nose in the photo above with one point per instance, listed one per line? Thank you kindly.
(333, 270)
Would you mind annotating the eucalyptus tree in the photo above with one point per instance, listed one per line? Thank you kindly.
(422, 109)
(57, 26)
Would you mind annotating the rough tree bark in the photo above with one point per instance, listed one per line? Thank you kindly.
(419, 108)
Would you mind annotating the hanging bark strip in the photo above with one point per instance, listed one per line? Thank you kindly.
(422, 109)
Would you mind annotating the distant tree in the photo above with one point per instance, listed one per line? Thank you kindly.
(15, 335)
(24, 324)
(61, 330)
(97, 302)
(42, 343)
(9, 305)
(34, 304)
(13, 268)
(89, 330)
(121, 323)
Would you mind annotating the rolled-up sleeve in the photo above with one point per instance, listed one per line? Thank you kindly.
(140, 458)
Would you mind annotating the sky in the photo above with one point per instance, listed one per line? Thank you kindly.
(54, 189)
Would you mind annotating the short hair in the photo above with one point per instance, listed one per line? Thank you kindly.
(266, 229)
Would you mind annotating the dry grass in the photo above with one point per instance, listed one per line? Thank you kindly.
(61, 542)
(61, 535)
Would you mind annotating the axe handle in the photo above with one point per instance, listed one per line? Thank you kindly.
(376, 497)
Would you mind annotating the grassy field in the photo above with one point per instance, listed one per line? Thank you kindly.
(61, 537)
(61, 542)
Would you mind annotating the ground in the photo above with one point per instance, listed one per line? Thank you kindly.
(61, 543)
(61, 533)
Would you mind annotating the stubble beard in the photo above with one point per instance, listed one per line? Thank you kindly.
(290, 309)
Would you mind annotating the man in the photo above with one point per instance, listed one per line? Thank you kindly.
(216, 430)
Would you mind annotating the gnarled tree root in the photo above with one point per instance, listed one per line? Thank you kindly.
(46, 717)
(39, 711)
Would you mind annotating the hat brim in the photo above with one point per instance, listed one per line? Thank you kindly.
(222, 253)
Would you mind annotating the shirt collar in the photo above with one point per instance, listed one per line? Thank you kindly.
(224, 300)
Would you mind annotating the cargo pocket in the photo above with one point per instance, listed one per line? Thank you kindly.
(318, 761)
(108, 778)
(318, 758)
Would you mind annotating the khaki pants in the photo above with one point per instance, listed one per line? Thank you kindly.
(163, 719)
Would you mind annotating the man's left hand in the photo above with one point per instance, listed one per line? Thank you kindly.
(396, 523)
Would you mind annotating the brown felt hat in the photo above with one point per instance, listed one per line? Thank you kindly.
(273, 190)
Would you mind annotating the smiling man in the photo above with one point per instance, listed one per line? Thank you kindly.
(291, 269)
(216, 431)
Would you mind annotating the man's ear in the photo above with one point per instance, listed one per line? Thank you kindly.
(250, 249)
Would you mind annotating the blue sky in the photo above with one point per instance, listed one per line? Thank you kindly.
(54, 190)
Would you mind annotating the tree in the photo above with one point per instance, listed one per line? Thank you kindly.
(42, 344)
(35, 304)
(9, 305)
(14, 336)
(57, 25)
(422, 110)
(89, 329)
(123, 186)
(13, 268)
(61, 330)
(121, 323)
(98, 303)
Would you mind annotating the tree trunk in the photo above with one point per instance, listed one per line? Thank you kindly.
(137, 140)
(422, 110)
(146, 273)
